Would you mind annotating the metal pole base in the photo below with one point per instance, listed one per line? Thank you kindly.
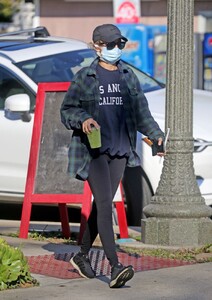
(177, 232)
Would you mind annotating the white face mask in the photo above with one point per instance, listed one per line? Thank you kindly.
(110, 56)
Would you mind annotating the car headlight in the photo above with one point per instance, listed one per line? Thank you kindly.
(200, 145)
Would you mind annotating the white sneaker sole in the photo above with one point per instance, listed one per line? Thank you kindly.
(122, 278)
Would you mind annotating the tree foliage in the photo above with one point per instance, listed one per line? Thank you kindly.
(7, 9)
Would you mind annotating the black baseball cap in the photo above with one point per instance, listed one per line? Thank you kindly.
(107, 33)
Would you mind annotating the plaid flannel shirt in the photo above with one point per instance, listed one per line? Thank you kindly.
(82, 102)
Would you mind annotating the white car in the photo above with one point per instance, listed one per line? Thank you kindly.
(33, 56)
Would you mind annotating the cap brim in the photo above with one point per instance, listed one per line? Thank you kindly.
(124, 38)
(116, 37)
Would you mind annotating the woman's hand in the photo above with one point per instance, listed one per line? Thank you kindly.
(88, 124)
(160, 142)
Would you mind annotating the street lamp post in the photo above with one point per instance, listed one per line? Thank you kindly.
(177, 214)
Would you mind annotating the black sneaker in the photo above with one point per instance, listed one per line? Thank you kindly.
(120, 275)
(82, 263)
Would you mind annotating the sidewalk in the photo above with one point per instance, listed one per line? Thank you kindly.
(180, 283)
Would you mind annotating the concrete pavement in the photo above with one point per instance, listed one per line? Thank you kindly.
(181, 283)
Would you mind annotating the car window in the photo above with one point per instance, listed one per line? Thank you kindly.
(59, 67)
(62, 67)
(10, 85)
(148, 84)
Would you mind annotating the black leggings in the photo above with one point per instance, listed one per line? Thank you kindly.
(104, 177)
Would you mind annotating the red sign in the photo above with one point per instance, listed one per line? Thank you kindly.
(33, 196)
(210, 41)
(127, 11)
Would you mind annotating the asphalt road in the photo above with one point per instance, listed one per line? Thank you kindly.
(39, 213)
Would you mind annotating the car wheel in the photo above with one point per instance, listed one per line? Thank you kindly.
(138, 193)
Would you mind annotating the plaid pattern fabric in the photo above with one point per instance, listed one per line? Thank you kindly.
(82, 102)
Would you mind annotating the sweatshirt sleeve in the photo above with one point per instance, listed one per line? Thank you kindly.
(71, 111)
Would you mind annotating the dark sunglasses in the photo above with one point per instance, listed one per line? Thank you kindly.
(112, 45)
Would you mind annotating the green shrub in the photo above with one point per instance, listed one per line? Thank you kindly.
(7, 9)
(14, 268)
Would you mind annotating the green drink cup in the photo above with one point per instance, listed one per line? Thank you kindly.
(94, 138)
